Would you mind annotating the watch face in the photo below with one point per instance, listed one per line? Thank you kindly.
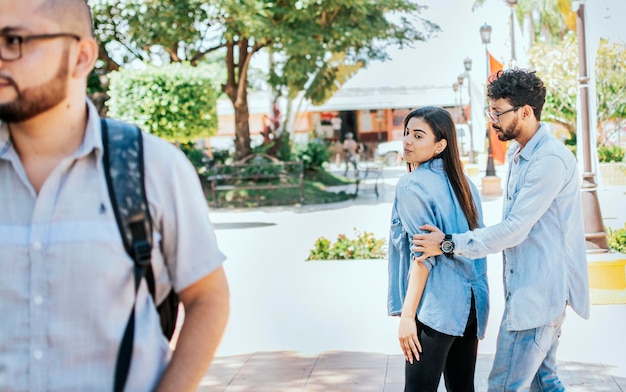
(447, 246)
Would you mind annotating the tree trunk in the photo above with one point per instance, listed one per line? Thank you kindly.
(242, 126)
(236, 88)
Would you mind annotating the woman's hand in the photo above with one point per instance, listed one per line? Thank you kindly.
(409, 342)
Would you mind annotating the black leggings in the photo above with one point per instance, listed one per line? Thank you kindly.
(454, 356)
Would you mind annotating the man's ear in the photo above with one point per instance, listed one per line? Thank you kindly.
(527, 111)
(86, 57)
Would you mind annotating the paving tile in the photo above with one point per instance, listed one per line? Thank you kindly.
(345, 388)
(349, 359)
(394, 375)
(222, 371)
(278, 376)
(280, 359)
(347, 376)
(394, 387)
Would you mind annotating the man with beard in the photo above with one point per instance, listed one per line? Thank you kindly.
(541, 235)
(67, 285)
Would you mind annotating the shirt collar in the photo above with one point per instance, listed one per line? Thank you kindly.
(435, 164)
(529, 148)
(5, 140)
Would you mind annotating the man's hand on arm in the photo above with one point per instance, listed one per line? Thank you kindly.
(206, 304)
(428, 243)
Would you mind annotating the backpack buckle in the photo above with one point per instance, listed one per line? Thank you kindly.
(142, 251)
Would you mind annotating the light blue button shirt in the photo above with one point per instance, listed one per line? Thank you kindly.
(541, 235)
(426, 196)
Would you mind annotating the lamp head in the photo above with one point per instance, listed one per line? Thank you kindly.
(467, 63)
(485, 33)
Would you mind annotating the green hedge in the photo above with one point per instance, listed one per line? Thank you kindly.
(176, 102)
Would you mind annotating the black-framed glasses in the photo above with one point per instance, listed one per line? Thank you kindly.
(11, 44)
(495, 117)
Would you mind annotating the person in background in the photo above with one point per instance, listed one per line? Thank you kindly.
(351, 150)
(443, 301)
(541, 237)
(67, 285)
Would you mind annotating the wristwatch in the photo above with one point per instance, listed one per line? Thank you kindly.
(447, 246)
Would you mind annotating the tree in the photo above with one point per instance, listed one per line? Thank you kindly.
(552, 19)
(309, 32)
(610, 81)
(557, 65)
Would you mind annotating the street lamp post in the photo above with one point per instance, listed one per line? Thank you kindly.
(467, 63)
(455, 88)
(459, 82)
(512, 4)
(594, 228)
(485, 37)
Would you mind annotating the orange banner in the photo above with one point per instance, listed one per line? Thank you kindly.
(498, 148)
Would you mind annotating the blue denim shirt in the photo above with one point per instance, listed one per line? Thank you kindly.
(541, 235)
(426, 196)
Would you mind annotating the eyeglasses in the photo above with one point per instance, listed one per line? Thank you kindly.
(11, 44)
(495, 117)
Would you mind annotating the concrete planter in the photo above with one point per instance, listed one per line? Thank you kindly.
(613, 173)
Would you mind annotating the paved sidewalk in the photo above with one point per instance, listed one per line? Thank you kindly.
(322, 326)
(358, 371)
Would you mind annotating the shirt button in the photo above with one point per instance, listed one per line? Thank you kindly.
(38, 300)
(37, 245)
(511, 271)
(38, 354)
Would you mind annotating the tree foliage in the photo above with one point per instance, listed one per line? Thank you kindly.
(611, 82)
(557, 65)
(174, 102)
(552, 19)
(308, 37)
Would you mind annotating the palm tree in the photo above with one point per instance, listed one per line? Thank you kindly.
(550, 19)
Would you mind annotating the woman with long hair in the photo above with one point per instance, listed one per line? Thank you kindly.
(442, 302)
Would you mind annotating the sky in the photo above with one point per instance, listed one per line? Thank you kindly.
(439, 60)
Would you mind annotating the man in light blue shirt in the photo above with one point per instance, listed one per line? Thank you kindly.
(541, 236)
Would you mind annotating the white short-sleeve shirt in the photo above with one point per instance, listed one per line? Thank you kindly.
(66, 284)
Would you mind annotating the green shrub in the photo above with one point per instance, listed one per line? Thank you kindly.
(315, 154)
(197, 156)
(364, 246)
(610, 154)
(616, 239)
(176, 102)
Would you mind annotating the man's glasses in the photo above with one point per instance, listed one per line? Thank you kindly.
(11, 44)
(495, 116)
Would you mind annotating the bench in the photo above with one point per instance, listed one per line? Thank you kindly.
(255, 173)
(373, 171)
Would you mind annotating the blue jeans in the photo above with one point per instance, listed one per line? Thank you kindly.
(526, 360)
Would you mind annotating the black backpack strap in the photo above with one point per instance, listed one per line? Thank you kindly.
(123, 167)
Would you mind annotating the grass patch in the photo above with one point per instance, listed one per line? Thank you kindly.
(314, 188)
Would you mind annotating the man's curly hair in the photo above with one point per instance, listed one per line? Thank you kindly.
(520, 87)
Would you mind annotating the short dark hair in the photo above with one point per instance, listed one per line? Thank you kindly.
(73, 15)
(520, 87)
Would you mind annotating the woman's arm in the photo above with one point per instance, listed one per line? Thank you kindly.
(407, 332)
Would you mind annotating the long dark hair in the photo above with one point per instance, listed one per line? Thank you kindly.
(440, 121)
